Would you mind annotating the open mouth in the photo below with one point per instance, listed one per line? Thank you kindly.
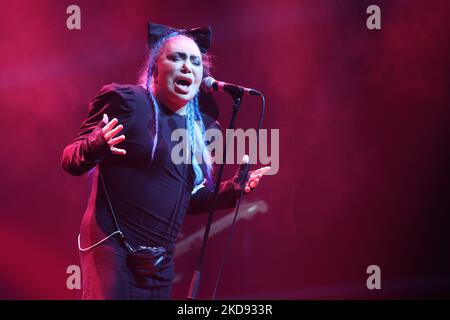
(183, 84)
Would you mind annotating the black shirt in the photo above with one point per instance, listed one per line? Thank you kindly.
(149, 196)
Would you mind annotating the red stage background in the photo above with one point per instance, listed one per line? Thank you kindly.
(364, 141)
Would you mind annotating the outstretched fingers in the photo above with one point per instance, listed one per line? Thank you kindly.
(109, 125)
(116, 140)
(113, 132)
(254, 178)
(110, 132)
(115, 150)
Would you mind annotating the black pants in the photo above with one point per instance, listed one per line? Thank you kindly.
(105, 275)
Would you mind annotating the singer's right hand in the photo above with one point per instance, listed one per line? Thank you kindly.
(110, 130)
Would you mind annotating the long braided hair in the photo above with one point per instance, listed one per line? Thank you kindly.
(194, 121)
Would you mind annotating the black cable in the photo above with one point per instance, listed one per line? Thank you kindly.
(243, 182)
(122, 235)
(195, 281)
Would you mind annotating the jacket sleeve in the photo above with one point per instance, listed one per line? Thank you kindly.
(204, 200)
(89, 146)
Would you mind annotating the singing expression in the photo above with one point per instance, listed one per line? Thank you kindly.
(178, 73)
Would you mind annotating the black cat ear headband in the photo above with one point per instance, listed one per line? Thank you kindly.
(201, 35)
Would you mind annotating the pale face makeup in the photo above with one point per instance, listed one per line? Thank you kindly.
(178, 73)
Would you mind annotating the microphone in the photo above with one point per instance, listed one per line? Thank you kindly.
(243, 171)
(210, 84)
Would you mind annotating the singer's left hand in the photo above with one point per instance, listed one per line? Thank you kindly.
(255, 177)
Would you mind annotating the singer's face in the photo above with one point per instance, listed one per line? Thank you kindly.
(178, 72)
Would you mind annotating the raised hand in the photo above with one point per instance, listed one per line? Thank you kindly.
(110, 130)
(254, 178)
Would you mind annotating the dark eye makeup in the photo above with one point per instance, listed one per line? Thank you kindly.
(177, 56)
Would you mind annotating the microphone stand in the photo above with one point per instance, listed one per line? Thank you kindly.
(195, 281)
